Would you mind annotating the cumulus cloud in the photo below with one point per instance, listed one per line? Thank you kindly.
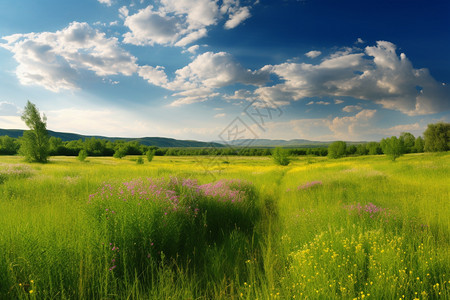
(149, 27)
(156, 76)
(209, 71)
(378, 74)
(180, 22)
(54, 59)
(313, 54)
(337, 101)
(352, 127)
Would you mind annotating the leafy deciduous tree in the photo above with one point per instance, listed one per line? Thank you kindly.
(393, 147)
(437, 137)
(408, 141)
(337, 149)
(35, 142)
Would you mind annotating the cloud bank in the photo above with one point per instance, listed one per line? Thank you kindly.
(54, 60)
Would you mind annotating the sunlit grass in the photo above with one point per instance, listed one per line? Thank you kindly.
(362, 227)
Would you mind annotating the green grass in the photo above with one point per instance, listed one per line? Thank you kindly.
(362, 227)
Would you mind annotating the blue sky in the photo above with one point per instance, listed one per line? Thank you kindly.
(312, 69)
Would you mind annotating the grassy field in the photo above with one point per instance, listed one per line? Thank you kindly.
(353, 228)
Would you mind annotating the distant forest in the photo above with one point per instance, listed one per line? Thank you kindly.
(102, 147)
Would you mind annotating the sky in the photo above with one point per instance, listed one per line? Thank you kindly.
(214, 70)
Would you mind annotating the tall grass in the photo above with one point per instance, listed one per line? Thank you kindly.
(360, 227)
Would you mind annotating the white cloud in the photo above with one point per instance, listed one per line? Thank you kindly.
(197, 81)
(179, 22)
(237, 17)
(337, 101)
(313, 54)
(377, 75)
(106, 2)
(360, 41)
(193, 49)
(351, 108)
(155, 76)
(353, 127)
(149, 27)
(54, 59)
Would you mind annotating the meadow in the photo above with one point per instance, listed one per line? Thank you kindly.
(352, 228)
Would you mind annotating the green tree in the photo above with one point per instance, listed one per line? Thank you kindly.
(393, 147)
(351, 149)
(437, 137)
(361, 149)
(419, 144)
(337, 149)
(374, 148)
(281, 157)
(8, 145)
(35, 142)
(121, 151)
(408, 141)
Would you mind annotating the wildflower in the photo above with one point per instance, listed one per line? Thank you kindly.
(31, 291)
(309, 185)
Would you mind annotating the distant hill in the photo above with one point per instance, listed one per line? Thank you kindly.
(296, 143)
(169, 142)
(148, 141)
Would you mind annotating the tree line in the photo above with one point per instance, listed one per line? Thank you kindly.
(36, 145)
(436, 139)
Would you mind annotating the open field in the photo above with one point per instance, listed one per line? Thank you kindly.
(361, 227)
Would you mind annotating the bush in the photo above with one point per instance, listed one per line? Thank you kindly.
(337, 149)
(140, 160)
(82, 155)
(281, 157)
(150, 154)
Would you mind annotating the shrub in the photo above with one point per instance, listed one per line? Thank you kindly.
(150, 154)
(281, 157)
(82, 155)
(140, 160)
